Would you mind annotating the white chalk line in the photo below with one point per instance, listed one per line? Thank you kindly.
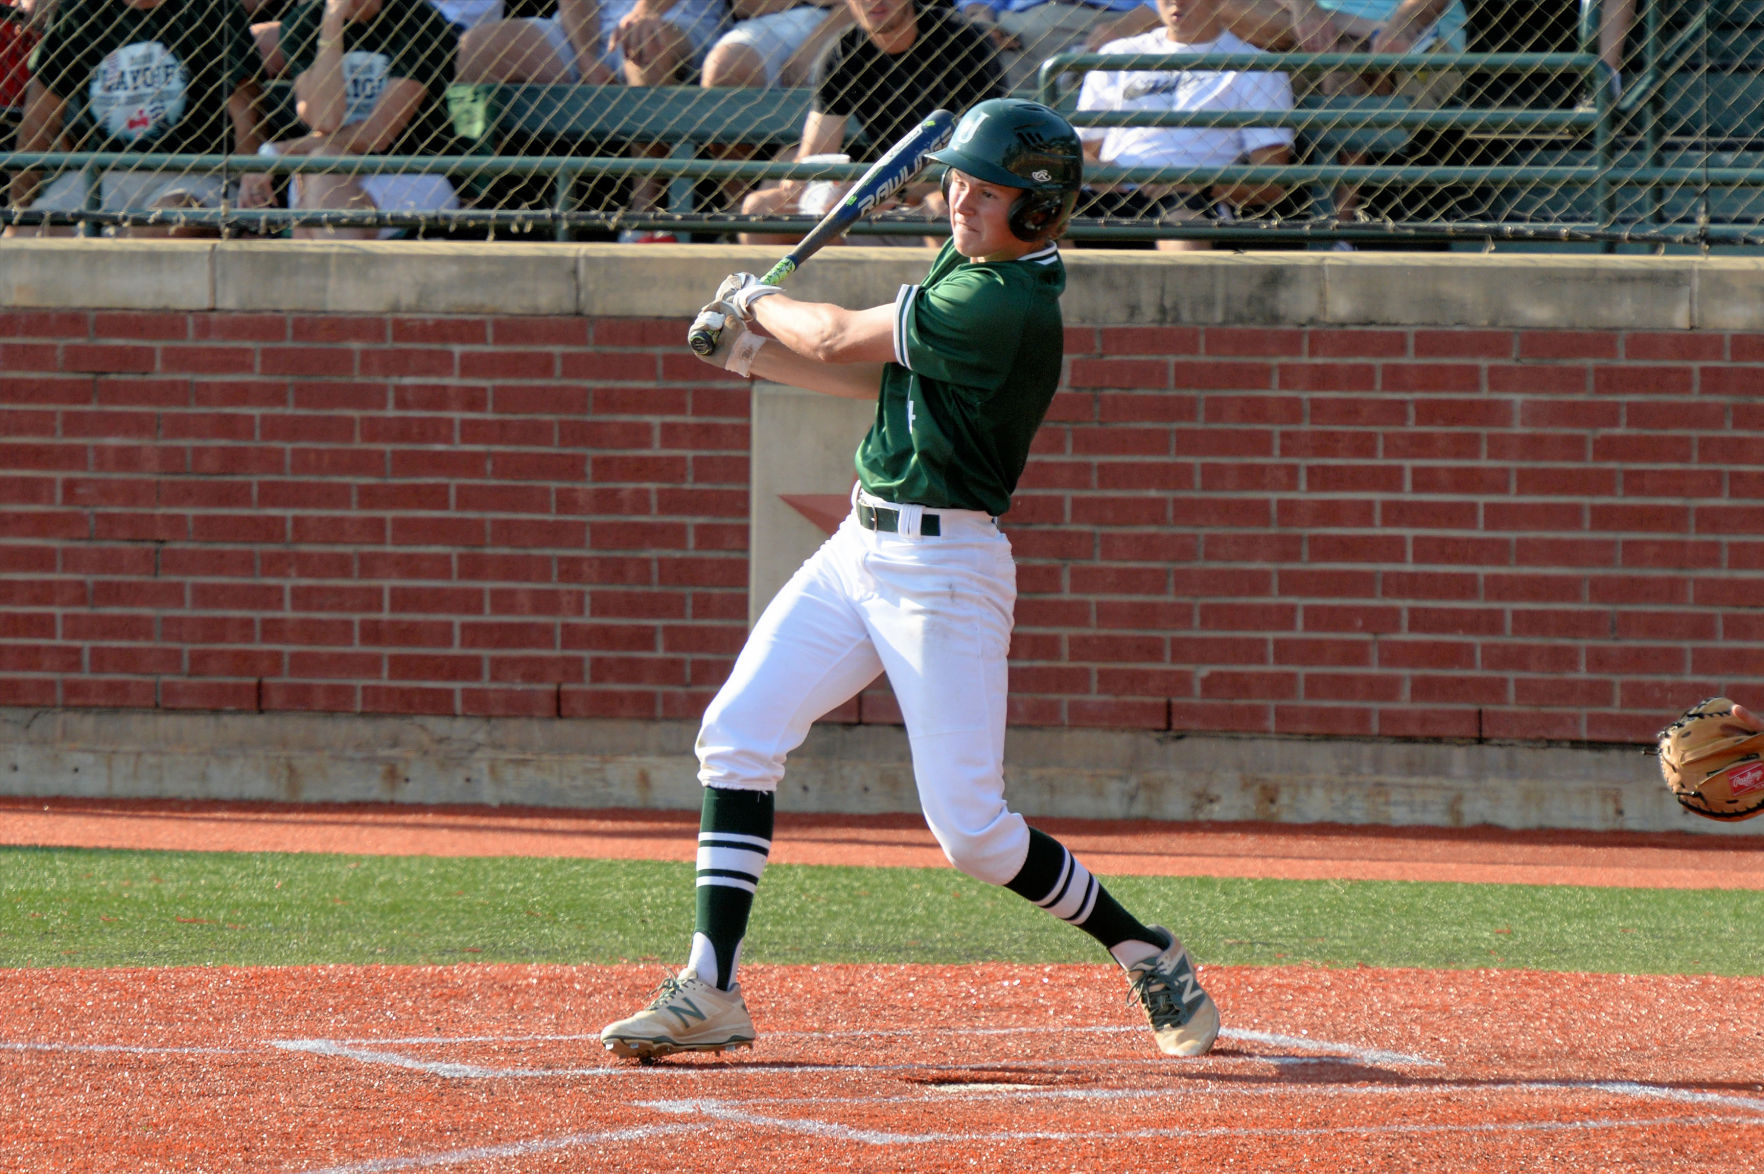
(447, 1069)
(360, 1051)
(1747, 1111)
(720, 1111)
(712, 1113)
(515, 1149)
(132, 1049)
(369, 1050)
(356, 1050)
(1234, 1091)
(1295, 1042)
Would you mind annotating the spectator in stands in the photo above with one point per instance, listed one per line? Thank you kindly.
(1361, 26)
(1028, 32)
(904, 59)
(21, 22)
(144, 76)
(267, 17)
(1188, 27)
(464, 15)
(370, 79)
(639, 42)
(774, 42)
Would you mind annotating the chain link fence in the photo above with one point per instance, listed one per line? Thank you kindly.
(1211, 123)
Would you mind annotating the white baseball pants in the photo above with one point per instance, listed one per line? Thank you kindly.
(935, 614)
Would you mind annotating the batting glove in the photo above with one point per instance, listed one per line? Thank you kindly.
(741, 291)
(736, 344)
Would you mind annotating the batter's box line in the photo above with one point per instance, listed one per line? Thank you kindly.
(372, 1051)
(709, 1111)
(515, 1149)
(831, 1131)
(130, 1049)
(447, 1069)
(1163, 1092)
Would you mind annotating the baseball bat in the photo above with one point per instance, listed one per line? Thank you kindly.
(875, 187)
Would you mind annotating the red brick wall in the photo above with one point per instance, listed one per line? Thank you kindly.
(1532, 534)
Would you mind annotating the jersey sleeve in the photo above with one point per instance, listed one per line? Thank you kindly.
(963, 331)
(55, 62)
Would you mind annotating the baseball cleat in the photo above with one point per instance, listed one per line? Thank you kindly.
(1183, 1017)
(688, 1015)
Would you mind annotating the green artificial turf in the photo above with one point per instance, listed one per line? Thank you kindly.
(82, 907)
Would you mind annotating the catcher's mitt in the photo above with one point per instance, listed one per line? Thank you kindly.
(1713, 759)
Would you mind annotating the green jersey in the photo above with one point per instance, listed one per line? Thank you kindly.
(978, 347)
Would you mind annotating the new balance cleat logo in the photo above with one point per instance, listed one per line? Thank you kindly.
(685, 1010)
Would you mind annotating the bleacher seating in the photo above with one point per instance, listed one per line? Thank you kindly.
(1685, 148)
(1693, 107)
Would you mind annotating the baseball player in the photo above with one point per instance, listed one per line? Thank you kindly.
(917, 582)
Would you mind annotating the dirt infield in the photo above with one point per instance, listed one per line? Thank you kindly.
(1013, 1068)
(495, 1069)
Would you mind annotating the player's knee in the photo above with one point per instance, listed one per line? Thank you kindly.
(729, 751)
(992, 853)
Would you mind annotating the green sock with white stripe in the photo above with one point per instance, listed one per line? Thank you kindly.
(1055, 880)
(734, 839)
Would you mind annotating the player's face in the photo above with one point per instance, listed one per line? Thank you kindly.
(980, 219)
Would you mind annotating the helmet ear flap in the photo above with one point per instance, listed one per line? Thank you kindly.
(1031, 213)
(1041, 214)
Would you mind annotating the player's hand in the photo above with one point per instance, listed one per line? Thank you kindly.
(741, 291)
(736, 345)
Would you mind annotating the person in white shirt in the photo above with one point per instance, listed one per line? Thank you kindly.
(1189, 27)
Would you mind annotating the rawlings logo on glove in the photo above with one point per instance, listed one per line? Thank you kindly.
(1713, 760)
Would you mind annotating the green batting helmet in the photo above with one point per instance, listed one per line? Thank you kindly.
(1020, 144)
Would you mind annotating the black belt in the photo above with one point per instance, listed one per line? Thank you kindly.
(886, 520)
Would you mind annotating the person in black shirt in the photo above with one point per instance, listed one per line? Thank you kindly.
(162, 77)
(904, 59)
(371, 78)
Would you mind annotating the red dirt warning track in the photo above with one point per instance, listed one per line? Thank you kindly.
(495, 1069)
